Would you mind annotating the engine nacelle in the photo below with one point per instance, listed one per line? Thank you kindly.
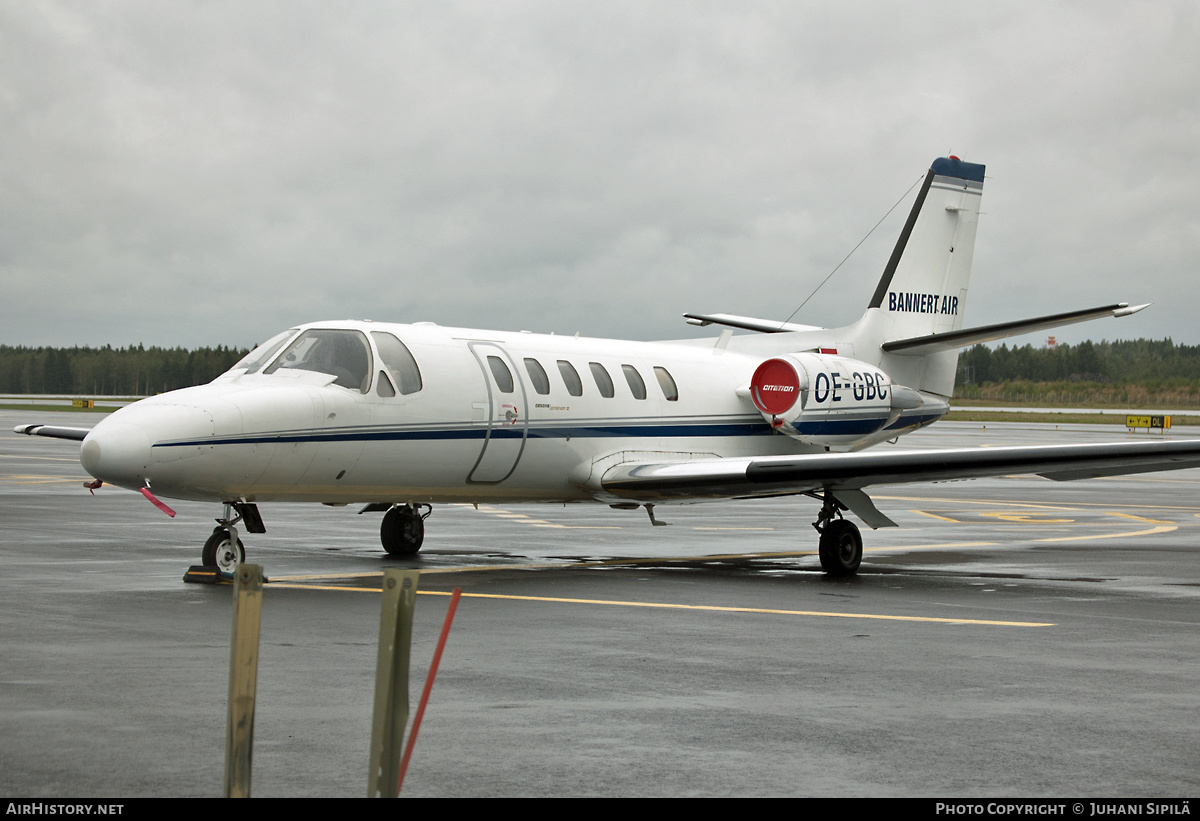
(827, 400)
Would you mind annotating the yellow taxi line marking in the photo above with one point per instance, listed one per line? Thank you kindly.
(973, 502)
(935, 516)
(273, 579)
(1078, 506)
(1023, 516)
(1139, 518)
(273, 585)
(1161, 529)
(701, 607)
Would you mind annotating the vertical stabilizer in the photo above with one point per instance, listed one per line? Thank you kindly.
(923, 289)
(925, 283)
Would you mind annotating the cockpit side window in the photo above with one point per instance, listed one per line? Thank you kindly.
(383, 385)
(345, 355)
(263, 353)
(399, 361)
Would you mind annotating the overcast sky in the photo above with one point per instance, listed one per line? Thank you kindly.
(209, 173)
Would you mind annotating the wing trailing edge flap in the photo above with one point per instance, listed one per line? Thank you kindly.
(846, 474)
(953, 340)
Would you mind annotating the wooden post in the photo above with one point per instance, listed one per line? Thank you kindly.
(243, 679)
(391, 682)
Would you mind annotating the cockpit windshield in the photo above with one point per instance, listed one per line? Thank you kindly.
(263, 353)
(345, 355)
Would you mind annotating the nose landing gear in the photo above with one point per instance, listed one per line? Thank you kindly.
(224, 550)
(219, 552)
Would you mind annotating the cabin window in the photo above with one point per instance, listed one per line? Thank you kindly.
(603, 380)
(344, 355)
(636, 385)
(537, 376)
(570, 377)
(263, 353)
(383, 385)
(667, 384)
(504, 379)
(399, 361)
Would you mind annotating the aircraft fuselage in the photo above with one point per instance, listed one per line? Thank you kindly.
(497, 417)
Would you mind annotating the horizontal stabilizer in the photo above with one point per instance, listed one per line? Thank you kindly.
(52, 431)
(747, 323)
(953, 340)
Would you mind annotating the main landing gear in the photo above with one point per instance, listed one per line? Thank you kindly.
(403, 529)
(841, 544)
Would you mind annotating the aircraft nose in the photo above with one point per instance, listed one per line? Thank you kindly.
(117, 453)
(151, 440)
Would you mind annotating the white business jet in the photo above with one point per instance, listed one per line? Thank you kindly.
(401, 417)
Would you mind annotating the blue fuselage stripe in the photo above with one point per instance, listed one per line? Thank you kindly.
(844, 427)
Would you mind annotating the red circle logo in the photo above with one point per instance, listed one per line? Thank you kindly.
(775, 386)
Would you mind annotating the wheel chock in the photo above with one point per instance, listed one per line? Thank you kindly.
(204, 574)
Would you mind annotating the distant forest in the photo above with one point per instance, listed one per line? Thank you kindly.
(1123, 371)
(1137, 361)
(111, 371)
(1144, 365)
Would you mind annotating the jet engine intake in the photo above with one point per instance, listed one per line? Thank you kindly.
(823, 399)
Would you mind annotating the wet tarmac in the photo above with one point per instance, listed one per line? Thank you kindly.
(1014, 637)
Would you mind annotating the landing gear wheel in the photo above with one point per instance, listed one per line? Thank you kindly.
(219, 552)
(841, 548)
(402, 531)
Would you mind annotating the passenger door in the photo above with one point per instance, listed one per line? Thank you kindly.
(506, 414)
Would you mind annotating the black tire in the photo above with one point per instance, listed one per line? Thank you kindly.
(402, 531)
(217, 553)
(841, 548)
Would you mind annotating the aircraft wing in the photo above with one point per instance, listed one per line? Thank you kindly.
(846, 474)
(53, 431)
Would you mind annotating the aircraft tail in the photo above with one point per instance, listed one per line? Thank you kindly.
(913, 326)
(923, 289)
(924, 286)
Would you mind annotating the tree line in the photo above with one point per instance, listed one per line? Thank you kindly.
(1153, 365)
(1146, 362)
(109, 371)
(1142, 372)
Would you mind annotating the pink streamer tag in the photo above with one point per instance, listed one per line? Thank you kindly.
(145, 492)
